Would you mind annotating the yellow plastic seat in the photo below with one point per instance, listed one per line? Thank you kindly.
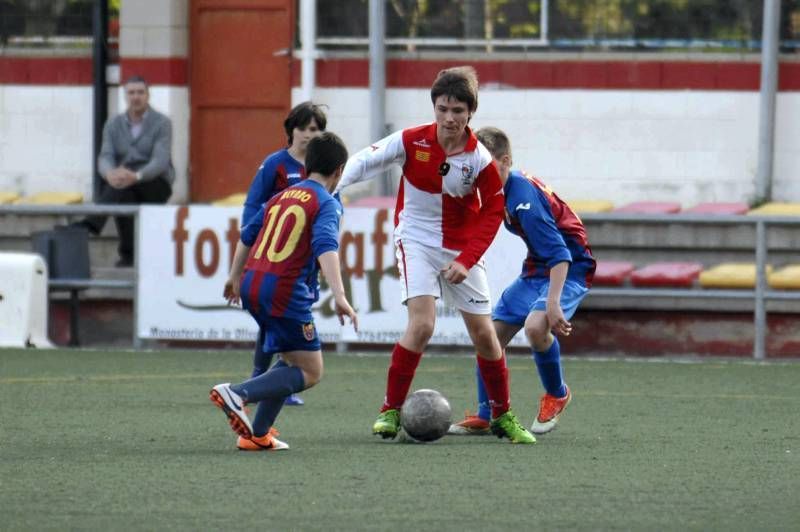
(731, 275)
(777, 209)
(587, 206)
(234, 200)
(787, 278)
(51, 198)
(8, 197)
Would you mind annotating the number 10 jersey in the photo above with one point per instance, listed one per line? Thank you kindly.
(287, 236)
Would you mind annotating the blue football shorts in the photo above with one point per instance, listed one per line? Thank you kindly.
(525, 295)
(281, 335)
(286, 334)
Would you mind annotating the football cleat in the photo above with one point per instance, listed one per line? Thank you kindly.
(233, 407)
(243, 442)
(507, 425)
(388, 424)
(268, 442)
(472, 425)
(550, 407)
(293, 400)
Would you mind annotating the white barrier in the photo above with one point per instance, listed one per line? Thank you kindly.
(185, 255)
(23, 301)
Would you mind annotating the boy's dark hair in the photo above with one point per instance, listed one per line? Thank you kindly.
(495, 141)
(325, 154)
(136, 79)
(460, 83)
(301, 115)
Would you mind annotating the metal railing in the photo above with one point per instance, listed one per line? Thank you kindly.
(760, 294)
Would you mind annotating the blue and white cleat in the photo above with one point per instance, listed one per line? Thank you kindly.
(293, 400)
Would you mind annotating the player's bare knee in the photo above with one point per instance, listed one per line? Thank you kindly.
(537, 333)
(420, 331)
(487, 344)
(312, 379)
(312, 376)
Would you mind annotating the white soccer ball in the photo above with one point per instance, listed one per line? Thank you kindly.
(426, 415)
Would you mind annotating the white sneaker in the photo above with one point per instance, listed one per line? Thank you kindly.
(233, 407)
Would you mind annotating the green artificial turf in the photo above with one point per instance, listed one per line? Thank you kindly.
(129, 440)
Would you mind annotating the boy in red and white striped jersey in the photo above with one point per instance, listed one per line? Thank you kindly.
(449, 208)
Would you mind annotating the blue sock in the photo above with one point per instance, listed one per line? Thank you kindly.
(484, 408)
(261, 360)
(268, 409)
(549, 365)
(280, 381)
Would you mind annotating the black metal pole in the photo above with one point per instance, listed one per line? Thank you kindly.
(100, 87)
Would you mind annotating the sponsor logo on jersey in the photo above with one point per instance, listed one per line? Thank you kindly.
(295, 175)
(422, 143)
(523, 207)
(373, 147)
(308, 331)
(423, 156)
(466, 174)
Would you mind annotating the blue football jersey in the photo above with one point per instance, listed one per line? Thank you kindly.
(551, 230)
(286, 236)
(278, 171)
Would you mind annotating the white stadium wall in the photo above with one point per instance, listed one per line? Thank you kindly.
(686, 146)
(46, 136)
(620, 145)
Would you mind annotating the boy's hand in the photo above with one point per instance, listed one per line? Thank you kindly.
(343, 308)
(455, 272)
(231, 291)
(558, 323)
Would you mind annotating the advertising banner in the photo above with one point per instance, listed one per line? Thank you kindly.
(186, 252)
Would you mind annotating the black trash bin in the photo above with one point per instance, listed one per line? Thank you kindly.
(65, 250)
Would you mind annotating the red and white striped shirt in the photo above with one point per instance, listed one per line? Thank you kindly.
(450, 201)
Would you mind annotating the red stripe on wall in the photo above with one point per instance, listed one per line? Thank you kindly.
(620, 75)
(79, 70)
(46, 70)
(789, 77)
(156, 70)
(419, 73)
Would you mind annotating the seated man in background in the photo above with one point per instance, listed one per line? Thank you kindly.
(135, 161)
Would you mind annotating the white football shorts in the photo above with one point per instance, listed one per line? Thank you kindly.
(421, 275)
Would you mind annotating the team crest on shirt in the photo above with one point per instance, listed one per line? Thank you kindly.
(466, 174)
(308, 331)
(423, 156)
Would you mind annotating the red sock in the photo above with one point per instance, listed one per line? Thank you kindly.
(495, 378)
(401, 373)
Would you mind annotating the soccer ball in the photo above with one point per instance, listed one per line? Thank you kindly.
(425, 415)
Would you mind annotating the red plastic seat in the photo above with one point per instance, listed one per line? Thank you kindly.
(667, 274)
(651, 207)
(718, 208)
(612, 273)
(378, 202)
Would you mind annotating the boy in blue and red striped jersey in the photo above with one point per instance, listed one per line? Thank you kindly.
(280, 170)
(275, 274)
(556, 276)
